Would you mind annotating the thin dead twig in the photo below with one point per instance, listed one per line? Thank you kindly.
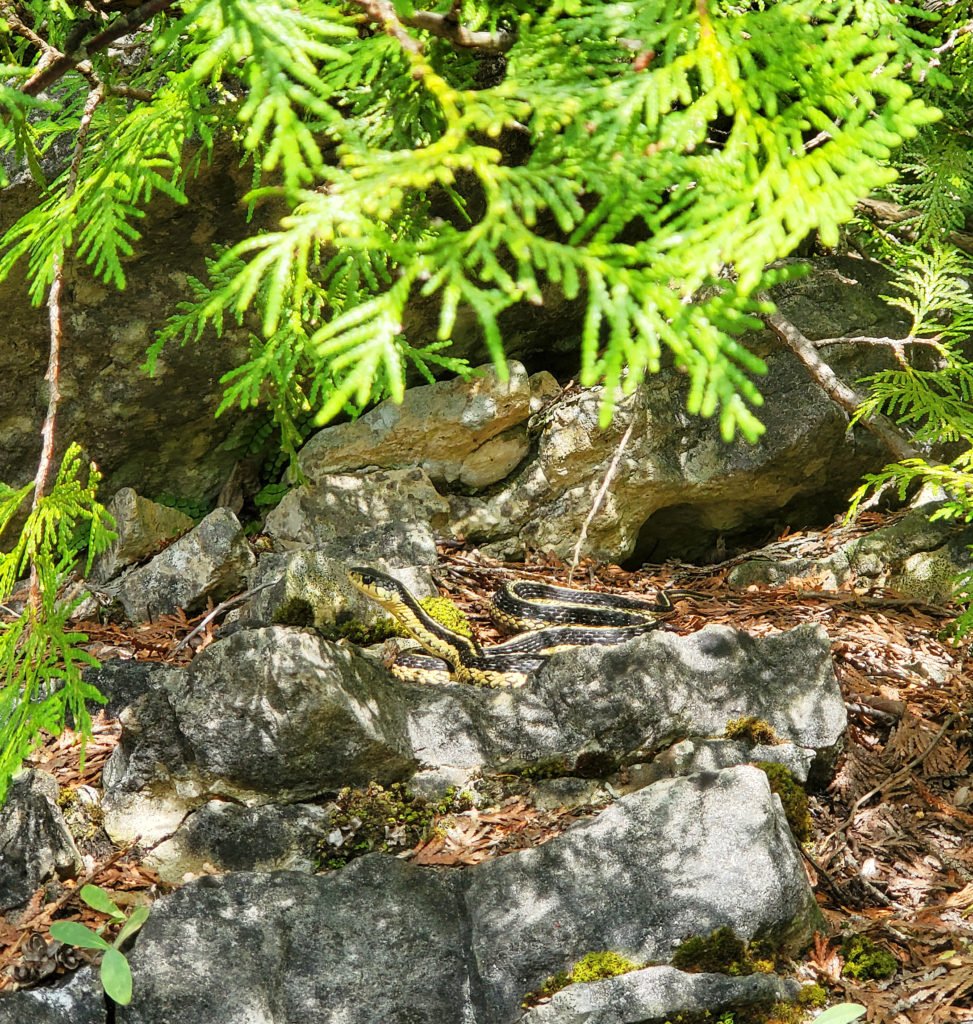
(444, 26)
(904, 772)
(56, 323)
(223, 606)
(60, 64)
(600, 497)
(891, 213)
(836, 389)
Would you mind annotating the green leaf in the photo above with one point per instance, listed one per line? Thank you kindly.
(840, 1014)
(132, 925)
(76, 934)
(404, 8)
(98, 899)
(116, 977)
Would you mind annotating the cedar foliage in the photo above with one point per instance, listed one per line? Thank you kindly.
(638, 155)
(40, 656)
(930, 252)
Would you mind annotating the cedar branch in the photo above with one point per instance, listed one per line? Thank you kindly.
(62, 63)
(56, 321)
(837, 390)
(444, 26)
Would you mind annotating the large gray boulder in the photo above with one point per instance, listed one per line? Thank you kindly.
(676, 859)
(389, 515)
(598, 704)
(265, 715)
(382, 942)
(468, 432)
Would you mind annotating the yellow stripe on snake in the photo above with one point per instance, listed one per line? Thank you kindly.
(557, 619)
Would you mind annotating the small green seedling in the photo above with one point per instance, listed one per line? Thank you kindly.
(116, 975)
(843, 1013)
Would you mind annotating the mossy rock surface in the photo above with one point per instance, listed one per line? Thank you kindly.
(591, 967)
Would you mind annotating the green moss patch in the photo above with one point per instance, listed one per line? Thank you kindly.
(440, 608)
(752, 730)
(385, 820)
(792, 797)
(591, 967)
(721, 952)
(864, 960)
(295, 611)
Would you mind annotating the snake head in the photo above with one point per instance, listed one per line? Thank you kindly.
(371, 581)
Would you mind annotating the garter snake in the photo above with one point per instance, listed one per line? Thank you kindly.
(557, 618)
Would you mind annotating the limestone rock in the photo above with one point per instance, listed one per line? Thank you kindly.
(223, 836)
(123, 681)
(35, 844)
(209, 561)
(916, 556)
(658, 993)
(148, 781)
(471, 430)
(589, 707)
(277, 714)
(302, 717)
(78, 998)
(383, 942)
(308, 575)
(392, 515)
(144, 527)
(266, 714)
(677, 488)
(677, 859)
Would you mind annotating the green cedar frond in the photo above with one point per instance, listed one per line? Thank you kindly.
(938, 178)
(275, 52)
(40, 659)
(131, 157)
(633, 156)
(935, 291)
(64, 522)
(41, 683)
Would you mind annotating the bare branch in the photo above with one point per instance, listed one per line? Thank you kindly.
(55, 319)
(600, 496)
(891, 213)
(837, 390)
(897, 345)
(444, 26)
(218, 610)
(383, 12)
(62, 63)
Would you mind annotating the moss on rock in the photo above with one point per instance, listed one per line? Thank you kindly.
(752, 730)
(792, 798)
(721, 952)
(591, 967)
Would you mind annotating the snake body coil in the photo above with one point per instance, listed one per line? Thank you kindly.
(580, 618)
